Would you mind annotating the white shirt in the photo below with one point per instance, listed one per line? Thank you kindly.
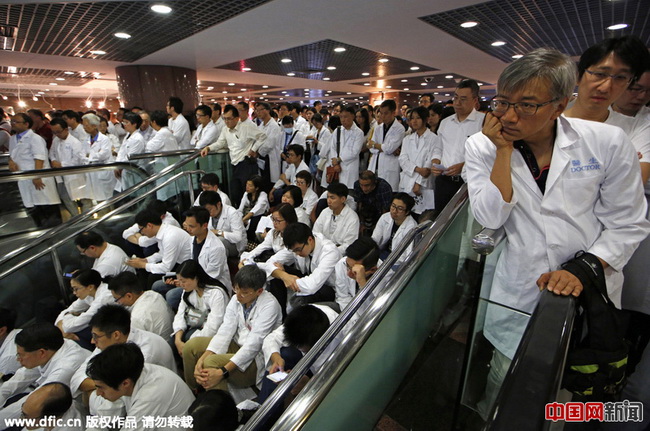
(272, 146)
(111, 262)
(213, 302)
(232, 226)
(309, 201)
(239, 141)
(150, 312)
(351, 143)
(224, 199)
(172, 248)
(319, 266)
(181, 131)
(79, 133)
(147, 134)
(417, 152)
(453, 134)
(87, 308)
(101, 182)
(71, 152)
(290, 173)
(638, 130)
(593, 202)
(8, 361)
(249, 333)
(281, 254)
(158, 392)
(212, 258)
(342, 229)
(133, 144)
(145, 241)
(382, 232)
(220, 123)
(162, 141)
(385, 163)
(260, 208)
(204, 136)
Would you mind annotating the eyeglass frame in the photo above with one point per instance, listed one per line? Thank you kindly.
(518, 104)
(602, 76)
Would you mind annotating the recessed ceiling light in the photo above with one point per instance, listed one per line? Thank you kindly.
(224, 92)
(326, 79)
(291, 74)
(348, 93)
(161, 8)
(423, 84)
(242, 89)
(449, 76)
(415, 68)
(210, 88)
(498, 43)
(281, 98)
(12, 69)
(98, 52)
(329, 91)
(366, 83)
(245, 69)
(516, 56)
(339, 49)
(404, 80)
(286, 60)
(263, 94)
(383, 60)
(60, 79)
(331, 67)
(439, 86)
(306, 89)
(284, 92)
(480, 83)
(69, 73)
(41, 92)
(4, 98)
(122, 35)
(406, 89)
(469, 24)
(265, 86)
(389, 86)
(53, 83)
(435, 92)
(617, 27)
(360, 97)
(231, 84)
(446, 94)
(365, 74)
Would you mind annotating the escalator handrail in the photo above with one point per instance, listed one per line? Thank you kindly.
(487, 240)
(105, 204)
(95, 222)
(141, 156)
(8, 177)
(536, 372)
(385, 293)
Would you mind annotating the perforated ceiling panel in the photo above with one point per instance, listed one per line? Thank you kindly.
(426, 83)
(220, 89)
(571, 26)
(44, 77)
(75, 29)
(316, 60)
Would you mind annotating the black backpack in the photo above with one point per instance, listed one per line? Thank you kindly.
(596, 361)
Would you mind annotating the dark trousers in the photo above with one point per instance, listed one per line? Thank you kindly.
(266, 174)
(445, 189)
(240, 174)
(46, 215)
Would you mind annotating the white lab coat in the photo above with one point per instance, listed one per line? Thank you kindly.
(204, 136)
(172, 248)
(147, 134)
(101, 182)
(71, 152)
(385, 163)
(213, 301)
(24, 152)
(87, 308)
(351, 143)
(133, 144)
(272, 147)
(224, 199)
(8, 362)
(162, 141)
(384, 226)
(320, 266)
(260, 208)
(144, 241)
(417, 152)
(309, 201)
(150, 312)
(79, 132)
(342, 230)
(249, 333)
(232, 226)
(290, 174)
(593, 202)
(212, 258)
(111, 262)
(180, 128)
(281, 254)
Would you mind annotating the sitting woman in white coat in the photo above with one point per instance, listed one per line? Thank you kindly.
(202, 306)
(91, 293)
(293, 196)
(254, 204)
(393, 225)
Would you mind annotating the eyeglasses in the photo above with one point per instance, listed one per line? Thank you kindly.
(77, 289)
(200, 115)
(396, 208)
(239, 292)
(117, 300)
(618, 79)
(301, 183)
(638, 90)
(97, 336)
(461, 99)
(298, 249)
(229, 118)
(522, 108)
(277, 220)
(83, 252)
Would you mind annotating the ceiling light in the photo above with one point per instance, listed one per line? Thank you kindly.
(360, 97)
(306, 89)
(35, 99)
(41, 92)
(449, 76)
(423, 84)
(242, 89)
(239, 97)
(122, 35)
(480, 83)
(47, 89)
(439, 86)
(415, 68)
(365, 74)
(329, 91)
(331, 67)
(516, 56)
(60, 79)
(383, 60)
(366, 84)
(498, 43)
(245, 69)
(224, 92)
(348, 93)
(469, 24)
(291, 74)
(265, 86)
(12, 69)
(617, 27)
(284, 92)
(210, 88)
(435, 92)
(4, 98)
(69, 73)
(22, 104)
(389, 86)
(161, 8)
(231, 84)
(263, 94)
(286, 60)
(339, 49)
(281, 98)
(53, 83)
(326, 79)
(98, 52)
(446, 94)
(404, 80)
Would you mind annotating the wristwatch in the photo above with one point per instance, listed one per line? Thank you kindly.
(225, 372)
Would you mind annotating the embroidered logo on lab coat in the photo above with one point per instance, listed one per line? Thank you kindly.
(577, 166)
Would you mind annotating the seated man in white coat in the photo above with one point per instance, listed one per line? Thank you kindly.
(149, 311)
(338, 222)
(147, 390)
(109, 258)
(210, 182)
(53, 400)
(225, 222)
(395, 224)
(234, 354)
(295, 164)
(353, 271)
(8, 362)
(142, 244)
(562, 184)
(206, 133)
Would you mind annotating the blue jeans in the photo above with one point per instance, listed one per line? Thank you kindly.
(172, 294)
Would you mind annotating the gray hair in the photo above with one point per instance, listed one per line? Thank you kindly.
(92, 119)
(543, 63)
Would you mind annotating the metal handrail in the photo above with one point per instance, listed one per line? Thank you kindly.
(95, 222)
(101, 206)
(384, 286)
(487, 240)
(9, 177)
(140, 156)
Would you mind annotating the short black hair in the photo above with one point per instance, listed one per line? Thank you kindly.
(305, 325)
(216, 107)
(58, 402)
(209, 198)
(436, 108)
(86, 239)
(133, 118)
(250, 277)
(205, 109)
(200, 214)
(338, 189)
(334, 122)
(630, 49)
(72, 114)
(317, 118)
(147, 216)
(214, 411)
(287, 119)
(26, 118)
(266, 106)
(210, 179)
(305, 175)
(368, 175)
(422, 112)
(125, 282)
(429, 95)
(407, 199)
(350, 109)
(232, 109)
(296, 233)
(87, 277)
(116, 363)
(8, 317)
(110, 318)
(298, 149)
(59, 122)
(176, 103)
(40, 336)
(160, 118)
(296, 194)
(364, 249)
(297, 106)
(471, 84)
(390, 104)
(157, 206)
(36, 112)
(244, 105)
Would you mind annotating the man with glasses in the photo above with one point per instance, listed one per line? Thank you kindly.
(396, 223)
(353, 271)
(52, 400)
(206, 133)
(295, 162)
(557, 186)
(448, 156)
(243, 140)
(109, 259)
(271, 150)
(338, 222)
(634, 100)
